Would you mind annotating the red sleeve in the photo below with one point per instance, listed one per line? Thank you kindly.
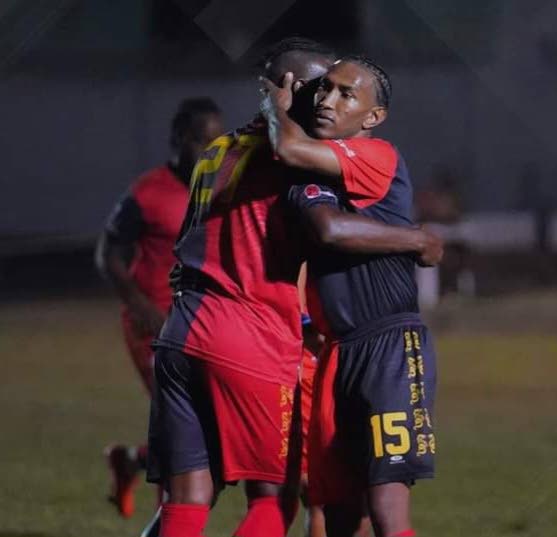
(368, 166)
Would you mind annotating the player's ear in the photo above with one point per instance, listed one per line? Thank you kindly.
(375, 117)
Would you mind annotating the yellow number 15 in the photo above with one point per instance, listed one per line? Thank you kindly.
(385, 423)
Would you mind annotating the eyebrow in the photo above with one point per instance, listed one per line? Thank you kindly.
(344, 87)
(341, 87)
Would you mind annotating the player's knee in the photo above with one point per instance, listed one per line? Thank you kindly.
(260, 489)
(194, 488)
(275, 501)
(389, 506)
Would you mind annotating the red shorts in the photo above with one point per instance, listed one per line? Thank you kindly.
(328, 480)
(207, 415)
(309, 367)
(139, 347)
(254, 419)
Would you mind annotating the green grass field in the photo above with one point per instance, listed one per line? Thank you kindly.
(68, 389)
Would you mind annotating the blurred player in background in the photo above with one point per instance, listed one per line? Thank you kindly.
(371, 429)
(135, 253)
(227, 357)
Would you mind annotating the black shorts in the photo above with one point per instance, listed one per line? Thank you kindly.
(182, 424)
(374, 400)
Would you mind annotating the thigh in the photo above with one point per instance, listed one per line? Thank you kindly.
(254, 420)
(388, 385)
(181, 426)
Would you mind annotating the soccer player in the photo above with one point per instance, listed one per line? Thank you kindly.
(227, 357)
(313, 346)
(371, 428)
(135, 252)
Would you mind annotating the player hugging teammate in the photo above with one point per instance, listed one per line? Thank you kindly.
(227, 358)
(371, 427)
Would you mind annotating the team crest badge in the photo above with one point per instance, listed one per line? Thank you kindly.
(312, 191)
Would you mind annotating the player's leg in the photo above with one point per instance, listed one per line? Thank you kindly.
(391, 509)
(178, 452)
(254, 419)
(400, 381)
(125, 462)
(314, 520)
(314, 516)
(266, 512)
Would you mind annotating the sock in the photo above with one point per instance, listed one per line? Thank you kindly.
(406, 533)
(264, 517)
(183, 520)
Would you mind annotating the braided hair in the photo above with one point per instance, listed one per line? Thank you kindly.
(383, 87)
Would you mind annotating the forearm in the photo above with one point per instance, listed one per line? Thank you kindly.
(295, 148)
(352, 233)
(376, 238)
(111, 262)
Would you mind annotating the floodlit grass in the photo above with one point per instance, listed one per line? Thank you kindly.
(68, 389)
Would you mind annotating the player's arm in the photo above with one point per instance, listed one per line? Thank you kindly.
(352, 233)
(116, 248)
(289, 141)
(329, 227)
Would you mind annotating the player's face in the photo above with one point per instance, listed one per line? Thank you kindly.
(204, 130)
(345, 104)
(212, 128)
(307, 79)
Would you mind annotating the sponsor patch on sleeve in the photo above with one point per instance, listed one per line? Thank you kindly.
(312, 191)
(315, 191)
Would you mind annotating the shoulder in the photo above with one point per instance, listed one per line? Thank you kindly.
(374, 150)
(371, 147)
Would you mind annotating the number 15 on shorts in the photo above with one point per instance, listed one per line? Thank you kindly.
(386, 424)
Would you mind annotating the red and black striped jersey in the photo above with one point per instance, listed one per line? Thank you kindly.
(240, 259)
(149, 217)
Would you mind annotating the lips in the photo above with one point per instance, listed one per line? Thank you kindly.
(323, 118)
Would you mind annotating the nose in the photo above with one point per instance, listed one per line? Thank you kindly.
(326, 99)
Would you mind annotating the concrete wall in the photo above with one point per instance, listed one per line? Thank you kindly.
(69, 147)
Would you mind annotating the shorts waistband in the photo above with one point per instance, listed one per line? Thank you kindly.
(381, 325)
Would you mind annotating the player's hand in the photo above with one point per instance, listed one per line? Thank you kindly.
(277, 97)
(145, 316)
(313, 340)
(431, 252)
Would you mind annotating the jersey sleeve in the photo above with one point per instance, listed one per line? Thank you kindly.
(305, 196)
(368, 166)
(126, 223)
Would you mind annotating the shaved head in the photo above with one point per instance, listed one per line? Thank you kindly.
(308, 61)
(304, 65)
(303, 57)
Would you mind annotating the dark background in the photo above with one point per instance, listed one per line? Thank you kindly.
(87, 90)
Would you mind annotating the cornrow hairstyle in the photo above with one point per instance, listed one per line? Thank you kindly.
(189, 111)
(383, 87)
(292, 44)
